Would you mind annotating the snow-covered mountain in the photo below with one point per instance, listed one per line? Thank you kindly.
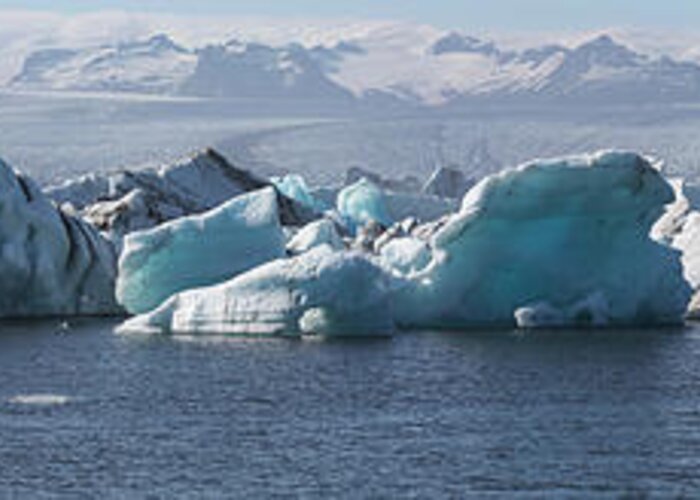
(239, 69)
(417, 65)
(156, 65)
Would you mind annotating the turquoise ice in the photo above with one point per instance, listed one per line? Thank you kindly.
(199, 250)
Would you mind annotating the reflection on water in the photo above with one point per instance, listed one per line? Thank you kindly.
(422, 414)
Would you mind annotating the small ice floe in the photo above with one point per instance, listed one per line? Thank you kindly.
(63, 328)
(39, 399)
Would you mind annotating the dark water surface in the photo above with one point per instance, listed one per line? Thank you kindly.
(87, 413)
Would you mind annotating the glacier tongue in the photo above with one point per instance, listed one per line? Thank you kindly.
(51, 263)
(199, 250)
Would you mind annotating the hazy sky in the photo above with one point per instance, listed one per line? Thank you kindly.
(463, 14)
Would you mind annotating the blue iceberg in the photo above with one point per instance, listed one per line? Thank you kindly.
(321, 292)
(199, 250)
(362, 203)
(554, 243)
(564, 240)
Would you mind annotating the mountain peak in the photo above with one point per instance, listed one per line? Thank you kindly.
(455, 42)
(604, 50)
(158, 43)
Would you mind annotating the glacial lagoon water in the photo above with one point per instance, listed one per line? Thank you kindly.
(85, 412)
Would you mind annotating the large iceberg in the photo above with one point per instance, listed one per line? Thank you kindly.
(555, 243)
(320, 292)
(561, 242)
(51, 263)
(199, 250)
(131, 200)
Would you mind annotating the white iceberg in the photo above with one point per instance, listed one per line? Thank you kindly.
(540, 240)
(319, 292)
(680, 228)
(687, 240)
(199, 250)
(320, 232)
(406, 255)
(51, 263)
(131, 200)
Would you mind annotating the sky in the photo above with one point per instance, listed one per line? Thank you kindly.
(472, 15)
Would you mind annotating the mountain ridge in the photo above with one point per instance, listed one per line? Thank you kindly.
(448, 70)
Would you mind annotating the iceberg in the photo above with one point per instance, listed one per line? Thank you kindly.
(321, 292)
(407, 184)
(688, 242)
(553, 243)
(397, 205)
(199, 250)
(562, 241)
(294, 187)
(51, 263)
(363, 203)
(320, 232)
(680, 228)
(131, 200)
(447, 182)
(405, 256)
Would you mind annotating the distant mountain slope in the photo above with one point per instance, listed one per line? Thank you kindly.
(156, 65)
(389, 65)
(254, 70)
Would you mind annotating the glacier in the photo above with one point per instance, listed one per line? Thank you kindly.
(199, 250)
(552, 243)
(51, 263)
(321, 292)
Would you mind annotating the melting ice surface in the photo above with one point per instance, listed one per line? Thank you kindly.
(550, 243)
